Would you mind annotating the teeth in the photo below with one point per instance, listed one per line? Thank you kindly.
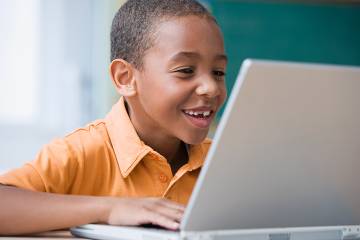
(204, 114)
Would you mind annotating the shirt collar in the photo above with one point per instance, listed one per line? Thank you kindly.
(128, 147)
(197, 154)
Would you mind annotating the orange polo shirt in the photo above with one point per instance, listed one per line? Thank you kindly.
(107, 158)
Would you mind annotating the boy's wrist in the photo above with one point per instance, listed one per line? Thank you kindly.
(103, 209)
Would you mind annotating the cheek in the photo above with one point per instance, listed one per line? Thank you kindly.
(223, 94)
(162, 94)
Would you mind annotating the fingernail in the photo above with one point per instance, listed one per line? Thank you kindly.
(176, 225)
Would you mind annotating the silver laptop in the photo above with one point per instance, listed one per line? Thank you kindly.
(284, 163)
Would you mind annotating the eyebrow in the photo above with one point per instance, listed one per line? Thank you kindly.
(180, 55)
(221, 57)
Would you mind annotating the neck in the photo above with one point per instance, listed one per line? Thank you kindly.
(166, 146)
(153, 136)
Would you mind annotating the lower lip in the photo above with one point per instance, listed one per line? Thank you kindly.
(199, 122)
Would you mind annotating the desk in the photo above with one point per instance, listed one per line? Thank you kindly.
(55, 235)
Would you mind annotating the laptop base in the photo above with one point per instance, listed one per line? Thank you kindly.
(98, 231)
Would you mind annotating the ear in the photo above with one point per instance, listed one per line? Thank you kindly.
(122, 75)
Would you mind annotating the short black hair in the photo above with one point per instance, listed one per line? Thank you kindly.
(135, 22)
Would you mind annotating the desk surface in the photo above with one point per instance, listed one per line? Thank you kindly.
(58, 235)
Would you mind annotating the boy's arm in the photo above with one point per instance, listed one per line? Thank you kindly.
(23, 211)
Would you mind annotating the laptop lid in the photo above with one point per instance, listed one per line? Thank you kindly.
(286, 152)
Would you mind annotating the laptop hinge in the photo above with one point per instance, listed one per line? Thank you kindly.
(279, 236)
(351, 233)
(341, 233)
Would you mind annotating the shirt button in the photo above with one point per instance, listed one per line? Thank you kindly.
(163, 178)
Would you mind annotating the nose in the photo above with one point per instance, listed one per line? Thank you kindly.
(208, 86)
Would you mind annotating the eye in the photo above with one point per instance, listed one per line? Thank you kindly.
(219, 73)
(186, 70)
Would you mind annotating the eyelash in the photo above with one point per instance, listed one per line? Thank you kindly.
(219, 73)
(191, 71)
(188, 70)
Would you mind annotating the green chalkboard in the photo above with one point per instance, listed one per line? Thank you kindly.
(293, 30)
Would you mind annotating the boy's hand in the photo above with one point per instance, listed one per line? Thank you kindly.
(137, 211)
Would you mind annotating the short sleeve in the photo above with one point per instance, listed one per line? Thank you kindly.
(53, 170)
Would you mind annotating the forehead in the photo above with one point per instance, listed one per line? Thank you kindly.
(193, 34)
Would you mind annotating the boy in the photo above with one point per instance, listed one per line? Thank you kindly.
(140, 163)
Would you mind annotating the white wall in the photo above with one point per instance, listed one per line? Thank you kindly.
(53, 71)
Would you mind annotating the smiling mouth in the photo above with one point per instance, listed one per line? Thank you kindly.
(199, 114)
(201, 119)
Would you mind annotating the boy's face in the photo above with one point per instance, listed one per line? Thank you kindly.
(181, 84)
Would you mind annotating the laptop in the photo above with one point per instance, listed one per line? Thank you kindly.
(284, 163)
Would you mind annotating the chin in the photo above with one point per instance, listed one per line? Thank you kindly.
(195, 138)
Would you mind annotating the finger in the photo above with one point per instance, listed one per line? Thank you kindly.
(172, 204)
(173, 214)
(161, 220)
(168, 212)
